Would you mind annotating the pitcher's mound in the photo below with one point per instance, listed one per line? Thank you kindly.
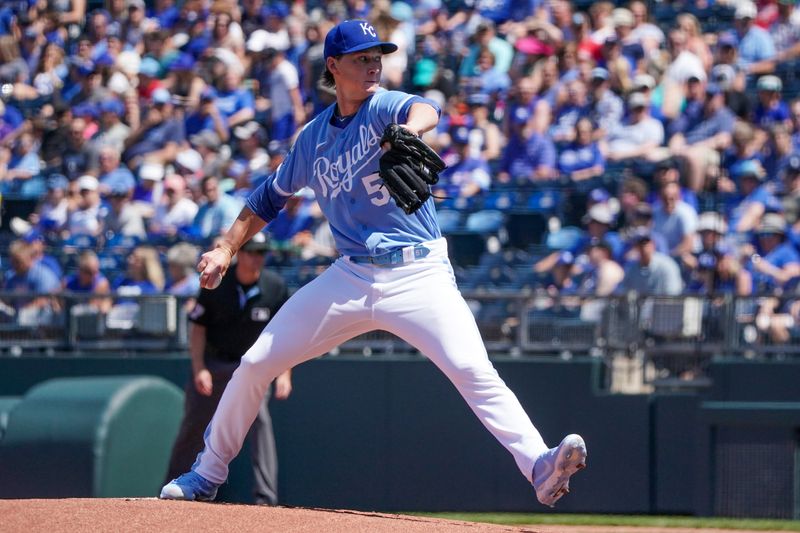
(150, 514)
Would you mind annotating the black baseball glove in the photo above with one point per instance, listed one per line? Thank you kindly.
(409, 168)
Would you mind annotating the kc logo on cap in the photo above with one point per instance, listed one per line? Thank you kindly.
(353, 36)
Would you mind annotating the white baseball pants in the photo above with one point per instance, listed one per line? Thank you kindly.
(420, 303)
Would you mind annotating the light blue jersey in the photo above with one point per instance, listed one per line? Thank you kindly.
(341, 166)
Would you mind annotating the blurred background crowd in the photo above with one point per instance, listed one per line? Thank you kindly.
(593, 147)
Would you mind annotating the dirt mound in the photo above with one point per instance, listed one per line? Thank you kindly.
(150, 514)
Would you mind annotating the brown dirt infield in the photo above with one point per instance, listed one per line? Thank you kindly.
(150, 514)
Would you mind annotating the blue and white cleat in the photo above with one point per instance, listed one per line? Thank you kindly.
(189, 486)
(554, 467)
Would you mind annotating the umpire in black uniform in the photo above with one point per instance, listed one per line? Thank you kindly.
(223, 325)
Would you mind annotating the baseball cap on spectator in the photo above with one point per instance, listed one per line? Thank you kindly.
(745, 10)
(190, 159)
(772, 224)
(85, 68)
(353, 36)
(88, 183)
(640, 234)
(600, 243)
(257, 243)
(112, 105)
(636, 100)
(57, 181)
(532, 46)
(206, 139)
(197, 45)
(118, 188)
(277, 148)
(129, 62)
(769, 83)
(622, 17)
(160, 96)
(600, 213)
(149, 67)
(599, 195)
(247, 130)
(478, 99)
(723, 75)
(460, 135)
(644, 81)
(118, 83)
(278, 10)
(179, 40)
(235, 169)
(182, 62)
(151, 171)
(748, 168)
(712, 221)
(599, 73)
(85, 110)
(136, 4)
(727, 39)
(262, 40)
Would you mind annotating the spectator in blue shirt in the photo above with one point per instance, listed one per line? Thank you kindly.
(22, 165)
(144, 274)
(770, 109)
(755, 47)
(158, 137)
(165, 12)
(775, 261)
(582, 160)
(700, 133)
(486, 36)
(466, 176)
(217, 213)
(89, 279)
(113, 174)
(30, 276)
(574, 107)
(607, 107)
(529, 156)
(753, 197)
(236, 103)
(207, 116)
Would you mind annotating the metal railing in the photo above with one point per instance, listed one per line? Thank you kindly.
(674, 338)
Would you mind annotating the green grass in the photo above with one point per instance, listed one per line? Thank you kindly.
(518, 519)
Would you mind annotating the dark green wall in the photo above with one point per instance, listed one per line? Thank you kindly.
(393, 434)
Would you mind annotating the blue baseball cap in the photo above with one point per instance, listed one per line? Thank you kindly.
(599, 73)
(353, 36)
(112, 105)
(184, 61)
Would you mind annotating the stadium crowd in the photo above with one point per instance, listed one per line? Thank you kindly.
(659, 140)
